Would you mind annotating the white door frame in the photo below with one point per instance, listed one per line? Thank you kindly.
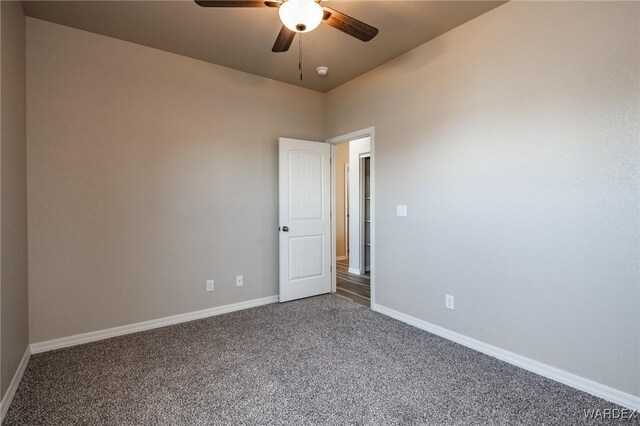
(362, 215)
(358, 134)
(346, 210)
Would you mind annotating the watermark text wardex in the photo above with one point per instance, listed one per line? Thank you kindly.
(610, 413)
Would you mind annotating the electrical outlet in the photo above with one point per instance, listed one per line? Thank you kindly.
(239, 280)
(448, 301)
(210, 285)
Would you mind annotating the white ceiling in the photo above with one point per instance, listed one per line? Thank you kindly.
(242, 38)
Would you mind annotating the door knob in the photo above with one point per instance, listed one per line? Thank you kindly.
(285, 229)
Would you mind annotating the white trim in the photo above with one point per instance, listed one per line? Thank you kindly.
(342, 257)
(602, 391)
(372, 217)
(358, 134)
(355, 271)
(93, 336)
(361, 215)
(13, 386)
(346, 211)
(334, 279)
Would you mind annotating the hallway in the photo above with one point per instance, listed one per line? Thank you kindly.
(352, 286)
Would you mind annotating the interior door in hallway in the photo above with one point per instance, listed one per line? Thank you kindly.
(305, 226)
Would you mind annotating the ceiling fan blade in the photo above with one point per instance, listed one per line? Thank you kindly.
(284, 40)
(237, 3)
(349, 25)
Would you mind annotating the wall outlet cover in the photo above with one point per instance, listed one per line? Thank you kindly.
(448, 301)
(239, 280)
(210, 285)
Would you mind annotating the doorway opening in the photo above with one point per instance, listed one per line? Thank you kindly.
(353, 216)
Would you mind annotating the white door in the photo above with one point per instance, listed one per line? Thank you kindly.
(305, 227)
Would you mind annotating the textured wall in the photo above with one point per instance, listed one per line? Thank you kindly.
(13, 182)
(148, 174)
(513, 140)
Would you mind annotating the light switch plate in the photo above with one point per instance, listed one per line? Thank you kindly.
(401, 210)
(448, 301)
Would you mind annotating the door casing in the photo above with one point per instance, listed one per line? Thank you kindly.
(358, 134)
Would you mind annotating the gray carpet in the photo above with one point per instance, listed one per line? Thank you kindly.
(324, 360)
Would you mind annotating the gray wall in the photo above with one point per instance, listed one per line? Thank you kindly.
(513, 140)
(148, 174)
(13, 193)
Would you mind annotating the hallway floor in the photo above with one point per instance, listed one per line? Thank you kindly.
(353, 286)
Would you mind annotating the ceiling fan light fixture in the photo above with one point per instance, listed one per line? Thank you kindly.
(301, 16)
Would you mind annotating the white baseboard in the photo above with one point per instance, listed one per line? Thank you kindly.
(597, 389)
(93, 336)
(342, 257)
(13, 386)
(354, 271)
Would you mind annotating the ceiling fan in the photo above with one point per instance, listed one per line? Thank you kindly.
(301, 16)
